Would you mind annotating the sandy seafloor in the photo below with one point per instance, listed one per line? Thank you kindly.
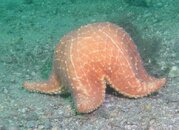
(29, 31)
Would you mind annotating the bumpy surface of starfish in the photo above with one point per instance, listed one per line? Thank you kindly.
(92, 56)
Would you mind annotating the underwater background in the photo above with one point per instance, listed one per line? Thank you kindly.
(29, 31)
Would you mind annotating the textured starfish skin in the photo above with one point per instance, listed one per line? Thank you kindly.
(91, 56)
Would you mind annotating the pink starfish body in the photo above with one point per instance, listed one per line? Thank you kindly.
(91, 56)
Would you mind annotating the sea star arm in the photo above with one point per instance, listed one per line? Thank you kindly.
(135, 87)
(88, 92)
(126, 72)
(51, 86)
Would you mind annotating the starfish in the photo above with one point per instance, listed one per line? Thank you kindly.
(92, 56)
